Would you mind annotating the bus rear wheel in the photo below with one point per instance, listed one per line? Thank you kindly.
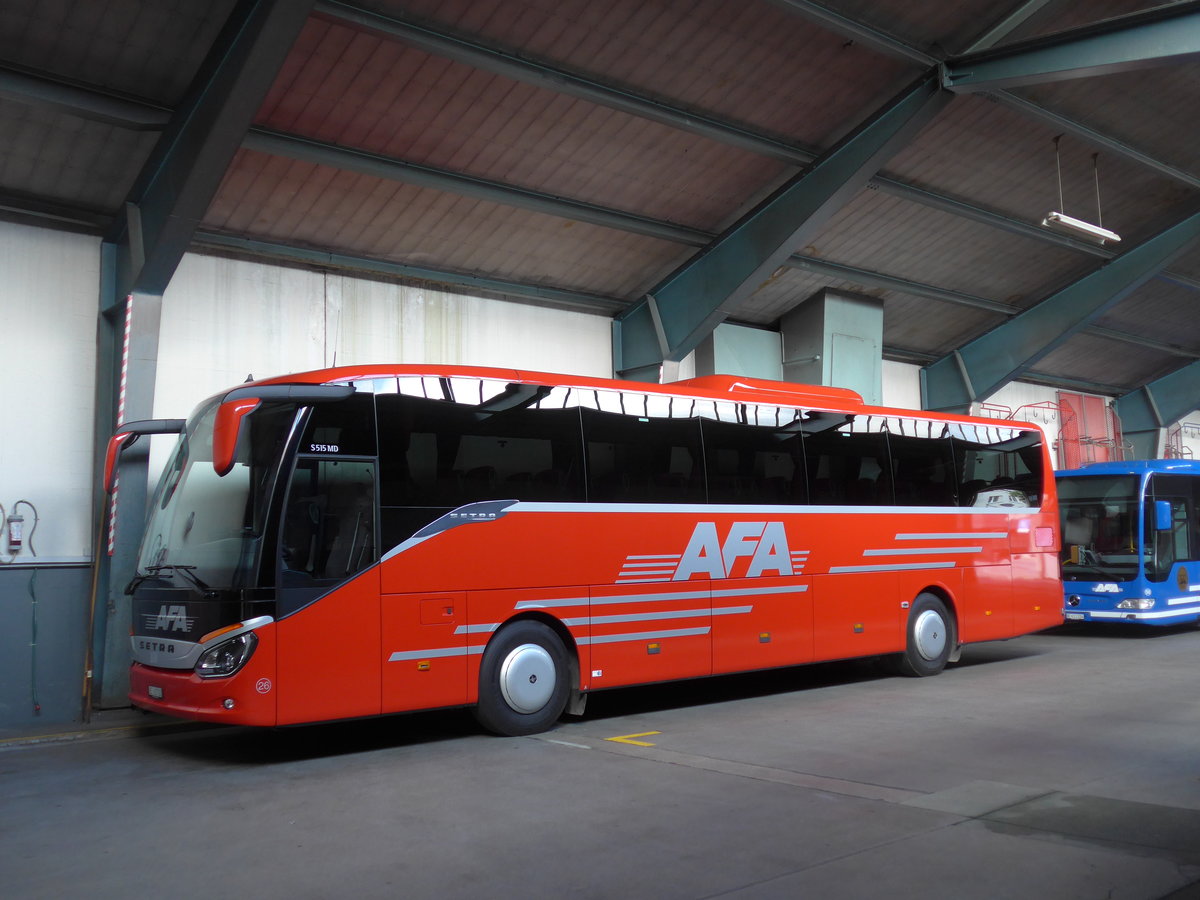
(523, 680)
(930, 638)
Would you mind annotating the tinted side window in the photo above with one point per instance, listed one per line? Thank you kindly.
(347, 427)
(753, 464)
(437, 455)
(849, 465)
(634, 459)
(923, 468)
(997, 465)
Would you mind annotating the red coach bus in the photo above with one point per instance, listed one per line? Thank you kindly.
(372, 540)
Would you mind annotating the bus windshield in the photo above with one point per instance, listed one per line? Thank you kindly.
(1100, 527)
(206, 530)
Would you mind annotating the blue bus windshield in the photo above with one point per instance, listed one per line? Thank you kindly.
(1100, 527)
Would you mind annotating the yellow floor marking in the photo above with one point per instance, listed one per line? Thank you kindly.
(629, 739)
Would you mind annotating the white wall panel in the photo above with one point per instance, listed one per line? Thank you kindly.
(901, 385)
(48, 297)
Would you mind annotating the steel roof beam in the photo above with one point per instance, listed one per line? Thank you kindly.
(1166, 35)
(685, 307)
(84, 101)
(390, 168)
(522, 68)
(987, 363)
(897, 49)
(186, 166)
(1011, 22)
(1157, 405)
(557, 297)
(859, 32)
(1091, 136)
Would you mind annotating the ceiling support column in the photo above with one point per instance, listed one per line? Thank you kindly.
(981, 367)
(140, 253)
(1154, 407)
(692, 301)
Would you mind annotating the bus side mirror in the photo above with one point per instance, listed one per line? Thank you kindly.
(1162, 515)
(125, 437)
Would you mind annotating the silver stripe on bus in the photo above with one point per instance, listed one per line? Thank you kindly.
(1127, 614)
(647, 565)
(643, 636)
(950, 536)
(477, 629)
(918, 551)
(1175, 601)
(656, 616)
(440, 653)
(658, 556)
(606, 599)
(894, 567)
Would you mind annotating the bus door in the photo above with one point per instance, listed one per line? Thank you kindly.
(328, 592)
(1171, 529)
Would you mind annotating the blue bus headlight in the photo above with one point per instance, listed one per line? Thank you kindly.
(227, 657)
(1138, 603)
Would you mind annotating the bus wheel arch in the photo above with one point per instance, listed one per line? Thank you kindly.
(931, 635)
(525, 678)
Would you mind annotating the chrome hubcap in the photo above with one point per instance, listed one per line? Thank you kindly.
(527, 678)
(929, 634)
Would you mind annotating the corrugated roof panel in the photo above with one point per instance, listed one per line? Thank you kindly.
(1157, 311)
(145, 48)
(450, 116)
(66, 158)
(898, 237)
(294, 202)
(1055, 17)
(732, 60)
(933, 27)
(1004, 161)
(1089, 357)
(1142, 108)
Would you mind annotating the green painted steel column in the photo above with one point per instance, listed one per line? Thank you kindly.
(1144, 413)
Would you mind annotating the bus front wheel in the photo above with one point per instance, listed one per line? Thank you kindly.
(930, 638)
(523, 680)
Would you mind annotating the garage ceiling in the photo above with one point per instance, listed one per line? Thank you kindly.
(585, 155)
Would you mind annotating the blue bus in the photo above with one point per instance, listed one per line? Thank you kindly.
(1131, 541)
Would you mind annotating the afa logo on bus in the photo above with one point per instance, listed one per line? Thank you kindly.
(750, 549)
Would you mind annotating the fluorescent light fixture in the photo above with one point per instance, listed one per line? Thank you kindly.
(1063, 222)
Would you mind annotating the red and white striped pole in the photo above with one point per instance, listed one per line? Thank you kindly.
(112, 509)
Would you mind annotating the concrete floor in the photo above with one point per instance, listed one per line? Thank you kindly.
(1059, 765)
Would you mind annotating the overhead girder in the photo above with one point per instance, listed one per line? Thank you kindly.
(1162, 36)
(984, 365)
(185, 168)
(685, 307)
(1158, 405)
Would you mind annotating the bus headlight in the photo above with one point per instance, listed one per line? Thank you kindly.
(1138, 603)
(227, 657)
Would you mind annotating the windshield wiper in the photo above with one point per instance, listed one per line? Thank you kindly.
(188, 573)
